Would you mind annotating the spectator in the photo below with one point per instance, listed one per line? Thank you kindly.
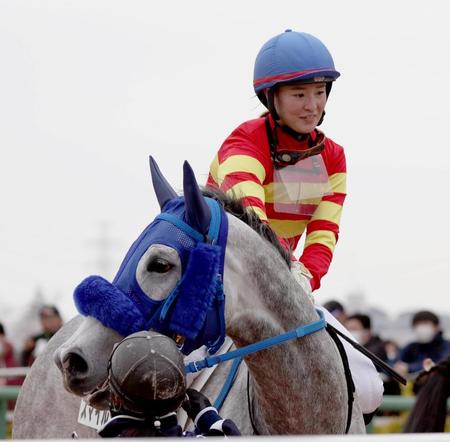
(428, 347)
(6, 354)
(337, 310)
(360, 326)
(51, 322)
(392, 352)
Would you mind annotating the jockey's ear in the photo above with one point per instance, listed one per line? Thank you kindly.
(198, 214)
(101, 399)
(163, 190)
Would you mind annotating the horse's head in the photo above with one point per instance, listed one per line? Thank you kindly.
(170, 280)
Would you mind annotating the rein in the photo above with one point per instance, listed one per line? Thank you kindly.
(298, 332)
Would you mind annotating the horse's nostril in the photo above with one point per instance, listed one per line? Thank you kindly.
(74, 364)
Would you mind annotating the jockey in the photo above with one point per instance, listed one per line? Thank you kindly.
(292, 175)
(146, 386)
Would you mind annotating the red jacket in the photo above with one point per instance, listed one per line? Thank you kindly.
(243, 167)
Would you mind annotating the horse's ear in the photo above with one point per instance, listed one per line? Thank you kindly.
(198, 214)
(163, 190)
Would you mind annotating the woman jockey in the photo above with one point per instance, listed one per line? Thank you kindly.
(290, 174)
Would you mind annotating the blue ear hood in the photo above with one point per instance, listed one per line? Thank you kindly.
(190, 311)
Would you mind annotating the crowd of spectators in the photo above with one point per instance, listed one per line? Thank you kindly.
(50, 322)
(427, 348)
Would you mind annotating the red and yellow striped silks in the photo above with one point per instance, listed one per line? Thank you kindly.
(243, 168)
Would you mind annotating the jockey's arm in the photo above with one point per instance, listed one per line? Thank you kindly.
(322, 230)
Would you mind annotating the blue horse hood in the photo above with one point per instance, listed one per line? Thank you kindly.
(194, 308)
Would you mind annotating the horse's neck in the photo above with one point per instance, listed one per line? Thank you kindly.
(259, 284)
(264, 300)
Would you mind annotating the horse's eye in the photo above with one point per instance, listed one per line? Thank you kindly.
(159, 265)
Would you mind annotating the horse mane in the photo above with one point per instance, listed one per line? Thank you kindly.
(235, 207)
(430, 410)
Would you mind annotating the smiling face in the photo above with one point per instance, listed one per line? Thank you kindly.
(300, 106)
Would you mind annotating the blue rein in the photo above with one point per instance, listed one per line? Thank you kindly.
(298, 332)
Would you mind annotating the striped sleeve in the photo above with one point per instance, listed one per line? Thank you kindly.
(239, 170)
(322, 231)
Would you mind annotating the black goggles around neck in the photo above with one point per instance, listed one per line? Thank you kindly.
(284, 157)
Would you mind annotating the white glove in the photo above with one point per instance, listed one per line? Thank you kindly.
(303, 277)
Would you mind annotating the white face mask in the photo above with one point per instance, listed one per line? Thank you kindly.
(424, 333)
(359, 336)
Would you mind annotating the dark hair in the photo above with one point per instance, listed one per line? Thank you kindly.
(235, 206)
(430, 410)
(47, 307)
(363, 319)
(425, 315)
(333, 305)
(2, 329)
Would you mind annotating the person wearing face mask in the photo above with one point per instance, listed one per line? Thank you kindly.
(360, 326)
(428, 344)
(291, 175)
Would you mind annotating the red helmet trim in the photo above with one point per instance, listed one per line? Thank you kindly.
(289, 76)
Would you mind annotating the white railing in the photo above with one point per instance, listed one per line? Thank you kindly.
(14, 372)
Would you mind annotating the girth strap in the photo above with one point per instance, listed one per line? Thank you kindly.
(374, 358)
(348, 374)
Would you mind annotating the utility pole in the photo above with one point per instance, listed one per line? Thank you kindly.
(103, 244)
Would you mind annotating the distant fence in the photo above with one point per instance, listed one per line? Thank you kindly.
(401, 403)
(14, 372)
(7, 393)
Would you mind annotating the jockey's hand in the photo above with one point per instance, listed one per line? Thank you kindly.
(303, 277)
(196, 402)
(401, 368)
(428, 364)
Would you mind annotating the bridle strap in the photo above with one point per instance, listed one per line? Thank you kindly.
(298, 332)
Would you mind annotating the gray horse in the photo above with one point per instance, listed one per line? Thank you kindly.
(298, 387)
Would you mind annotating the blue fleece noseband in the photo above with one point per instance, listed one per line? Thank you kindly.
(194, 309)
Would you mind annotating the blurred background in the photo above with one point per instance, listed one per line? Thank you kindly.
(88, 89)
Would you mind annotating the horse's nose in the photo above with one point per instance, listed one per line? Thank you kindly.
(72, 364)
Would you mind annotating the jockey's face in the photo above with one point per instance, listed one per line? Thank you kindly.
(300, 106)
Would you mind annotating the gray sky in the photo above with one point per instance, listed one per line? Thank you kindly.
(90, 88)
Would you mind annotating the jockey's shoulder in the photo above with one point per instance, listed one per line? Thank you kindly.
(332, 146)
(250, 127)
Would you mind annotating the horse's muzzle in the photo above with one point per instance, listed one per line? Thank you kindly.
(75, 371)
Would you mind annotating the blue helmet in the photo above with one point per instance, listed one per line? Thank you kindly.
(292, 56)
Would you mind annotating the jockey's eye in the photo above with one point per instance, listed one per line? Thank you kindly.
(159, 265)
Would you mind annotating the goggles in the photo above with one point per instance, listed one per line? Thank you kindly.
(288, 157)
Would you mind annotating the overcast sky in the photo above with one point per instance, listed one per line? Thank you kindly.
(90, 88)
